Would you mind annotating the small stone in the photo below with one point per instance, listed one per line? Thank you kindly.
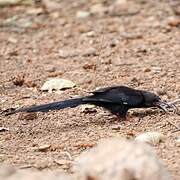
(123, 8)
(55, 15)
(90, 34)
(161, 91)
(90, 52)
(117, 127)
(83, 29)
(142, 49)
(43, 148)
(12, 40)
(87, 108)
(98, 9)
(174, 22)
(177, 142)
(82, 14)
(119, 2)
(51, 69)
(66, 54)
(147, 70)
(63, 162)
(35, 11)
(2, 158)
(156, 69)
(114, 43)
(131, 35)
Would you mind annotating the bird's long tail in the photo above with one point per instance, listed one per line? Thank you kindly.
(51, 106)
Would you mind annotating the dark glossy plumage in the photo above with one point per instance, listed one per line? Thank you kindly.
(117, 100)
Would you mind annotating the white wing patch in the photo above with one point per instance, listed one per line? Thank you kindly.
(125, 103)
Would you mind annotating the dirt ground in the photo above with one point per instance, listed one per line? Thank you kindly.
(92, 43)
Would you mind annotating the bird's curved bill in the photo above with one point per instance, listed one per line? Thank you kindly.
(165, 106)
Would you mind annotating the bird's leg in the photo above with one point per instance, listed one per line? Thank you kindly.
(123, 117)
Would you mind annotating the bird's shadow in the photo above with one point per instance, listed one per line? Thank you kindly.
(148, 112)
(105, 119)
(101, 119)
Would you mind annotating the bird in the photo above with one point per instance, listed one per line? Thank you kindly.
(117, 99)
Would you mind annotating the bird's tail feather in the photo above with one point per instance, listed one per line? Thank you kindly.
(51, 106)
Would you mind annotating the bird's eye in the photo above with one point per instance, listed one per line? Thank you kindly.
(157, 99)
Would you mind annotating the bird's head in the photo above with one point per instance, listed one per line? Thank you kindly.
(152, 100)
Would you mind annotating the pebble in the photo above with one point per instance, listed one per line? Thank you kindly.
(66, 54)
(114, 43)
(161, 91)
(124, 8)
(12, 40)
(98, 9)
(146, 69)
(90, 52)
(119, 2)
(82, 14)
(51, 69)
(177, 142)
(63, 162)
(90, 34)
(87, 108)
(43, 148)
(173, 21)
(2, 158)
(131, 35)
(117, 127)
(156, 69)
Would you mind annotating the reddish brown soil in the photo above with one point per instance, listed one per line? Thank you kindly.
(146, 58)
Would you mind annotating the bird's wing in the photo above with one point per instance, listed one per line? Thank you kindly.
(101, 90)
(118, 95)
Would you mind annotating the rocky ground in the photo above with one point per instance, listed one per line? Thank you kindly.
(92, 43)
